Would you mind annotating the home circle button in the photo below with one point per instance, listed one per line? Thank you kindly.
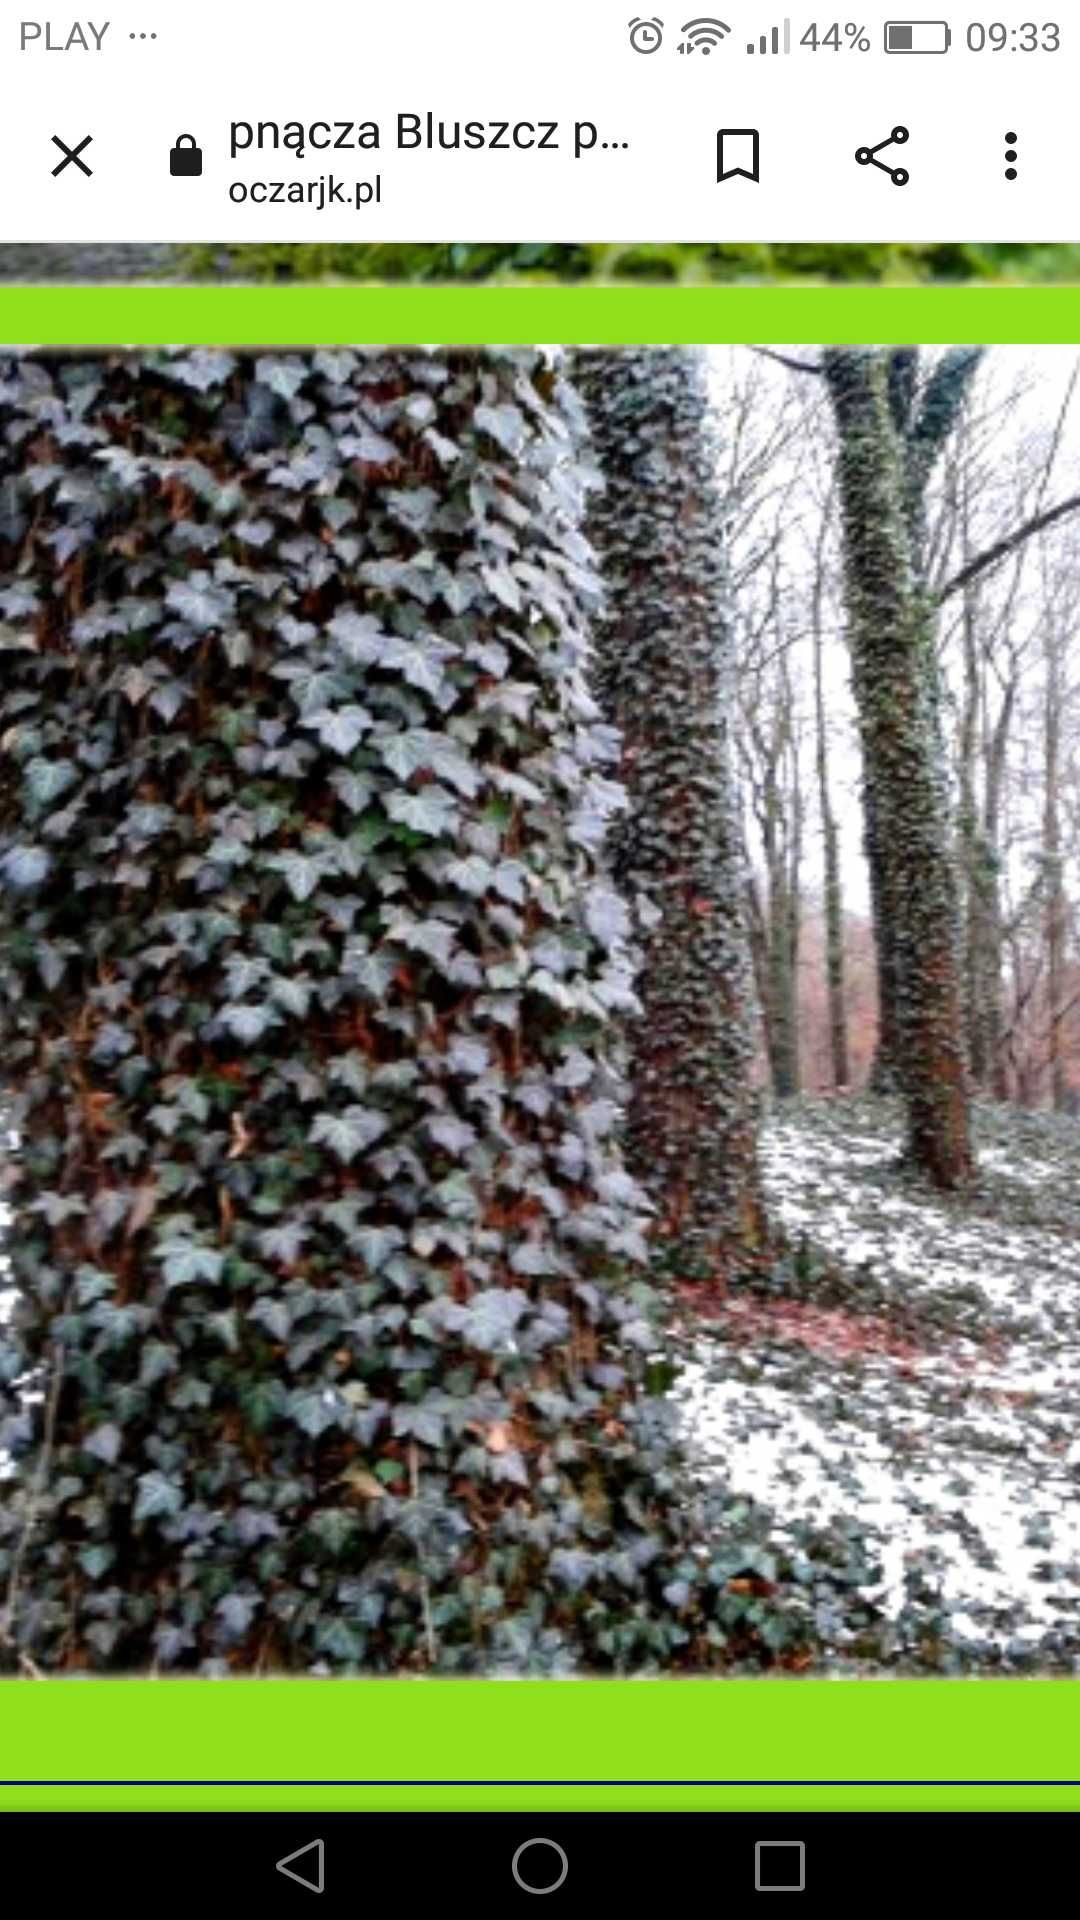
(539, 1866)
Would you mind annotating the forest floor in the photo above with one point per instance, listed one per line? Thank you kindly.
(914, 1380)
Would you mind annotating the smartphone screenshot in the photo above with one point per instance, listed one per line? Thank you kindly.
(539, 956)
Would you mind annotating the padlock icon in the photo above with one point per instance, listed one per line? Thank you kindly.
(185, 160)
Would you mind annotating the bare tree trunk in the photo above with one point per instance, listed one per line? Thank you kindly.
(1056, 914)
(885, 1076)
(759, 953)
(665, 679)
(782, 834)
(793, 928)
(891, 638)
(992, 937)
(833, 883)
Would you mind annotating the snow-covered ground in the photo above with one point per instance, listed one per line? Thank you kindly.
(929, 1388)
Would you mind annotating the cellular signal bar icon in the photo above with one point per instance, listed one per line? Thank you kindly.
(770, 42)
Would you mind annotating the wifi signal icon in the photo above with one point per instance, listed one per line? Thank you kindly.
(703, 35)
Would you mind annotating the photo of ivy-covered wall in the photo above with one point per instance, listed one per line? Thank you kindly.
(700, 263)
(327, 1342)
(418, 1254)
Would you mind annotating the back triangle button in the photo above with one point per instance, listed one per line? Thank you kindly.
(313, 1875)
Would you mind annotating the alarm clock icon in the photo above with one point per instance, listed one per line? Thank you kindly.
(646, 36)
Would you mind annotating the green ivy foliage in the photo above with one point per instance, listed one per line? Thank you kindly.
(659, 526)
(326, 1352)
(672, 263)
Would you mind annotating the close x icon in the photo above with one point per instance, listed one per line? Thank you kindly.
(72, 154)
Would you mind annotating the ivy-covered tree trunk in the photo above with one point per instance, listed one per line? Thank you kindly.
(891, 632)
(664, 675)
(323, 1352)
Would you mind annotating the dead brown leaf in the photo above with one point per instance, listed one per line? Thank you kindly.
(143, 1210)
(363, 1484)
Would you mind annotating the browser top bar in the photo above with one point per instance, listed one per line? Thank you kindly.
(426, 123)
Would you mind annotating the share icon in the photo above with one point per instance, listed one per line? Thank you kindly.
(868, 156)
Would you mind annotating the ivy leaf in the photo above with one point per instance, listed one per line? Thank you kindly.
(469, 1057)
(454, 1135)
(199, 602)
(314, 1410)
(46, 780)
(371, 971)
(349, 1133)
(334, 1528)
(294, 996)
(370, 447)
(510, 1467)
(422, 661)
(509, 881)
(104, 1443)
(405, 753)
(254, 533)
(350, 1070)
(493, 1316)
(376, 1244)
(572, 1567)
(24, 868)
(156, 1363)
(451, 765)
(360, 637)
(202, 369)
(285, 1243)
(446, 451)
(429, 811)
(248, 1024)
(184, 1262)
(355, 790)
(283, 377)
(236, 1611)
(422, 1423)
(506, 425)
(503, 586)
(432, 937)
(302, 872)
(96, 1560)
(414, 508)
(245, 971)
(157, 1497)
(473, 875)
(340, 1643)
(530, 1257)
(341, 729)
(606, 916)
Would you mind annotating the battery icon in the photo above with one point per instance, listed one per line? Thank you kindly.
(917, 36)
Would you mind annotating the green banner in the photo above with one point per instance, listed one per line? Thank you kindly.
(455, 316)
(587, 1743)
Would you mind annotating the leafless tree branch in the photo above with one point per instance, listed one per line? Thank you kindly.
(1002, 548)
(788, 360)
